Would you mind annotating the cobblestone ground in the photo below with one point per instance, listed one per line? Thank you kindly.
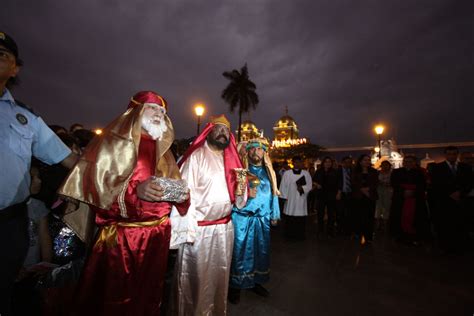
(340, 277)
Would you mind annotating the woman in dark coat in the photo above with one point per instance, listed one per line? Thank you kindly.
(364, 193)
(409, 215)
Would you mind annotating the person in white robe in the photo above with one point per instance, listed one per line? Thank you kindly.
(205, 236)
(294, 188)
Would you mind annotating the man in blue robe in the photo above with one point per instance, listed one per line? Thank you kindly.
(251, 255)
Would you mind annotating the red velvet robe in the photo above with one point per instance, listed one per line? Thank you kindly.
(128, 278)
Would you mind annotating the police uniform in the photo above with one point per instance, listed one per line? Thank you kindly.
(22, 135)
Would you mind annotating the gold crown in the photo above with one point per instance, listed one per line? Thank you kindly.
(221, 119)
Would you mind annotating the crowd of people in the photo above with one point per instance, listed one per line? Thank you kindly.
(88, 221)
(412, 204)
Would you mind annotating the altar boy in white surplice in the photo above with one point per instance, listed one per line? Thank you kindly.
(294, 188)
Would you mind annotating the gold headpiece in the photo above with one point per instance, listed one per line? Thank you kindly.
(221, 119)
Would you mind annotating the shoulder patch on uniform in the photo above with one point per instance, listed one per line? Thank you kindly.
(21, 118)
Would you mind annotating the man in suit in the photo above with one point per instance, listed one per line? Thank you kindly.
(343, 212)
(468, 158)
(451, 183)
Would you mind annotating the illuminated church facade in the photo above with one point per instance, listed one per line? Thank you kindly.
(285, 132)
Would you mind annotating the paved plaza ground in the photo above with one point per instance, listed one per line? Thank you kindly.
(340, 277)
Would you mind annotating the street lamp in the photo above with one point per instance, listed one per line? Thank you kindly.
(98, 131)
(379, 130)
(199, 110)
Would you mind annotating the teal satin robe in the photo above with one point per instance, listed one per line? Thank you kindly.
(251, 254)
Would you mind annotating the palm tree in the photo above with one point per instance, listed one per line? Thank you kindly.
(240, 92)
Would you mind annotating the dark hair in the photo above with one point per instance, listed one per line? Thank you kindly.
(451, 148)
(346, 157)
(411, 157)
(68, 140)
(324, 160)
(358, 167)
(73, 126)
(386, 162)
(56, 128)
(83, 137)
(297, 158)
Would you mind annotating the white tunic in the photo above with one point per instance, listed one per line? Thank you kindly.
(203, 263)
(295, 204)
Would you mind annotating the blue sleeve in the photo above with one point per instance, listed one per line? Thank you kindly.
(47, 146)
(275, 208)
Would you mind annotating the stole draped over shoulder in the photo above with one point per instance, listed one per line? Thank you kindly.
(251, 254)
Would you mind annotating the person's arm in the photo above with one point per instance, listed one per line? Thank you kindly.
(46, 245)
(374, 184)
(48, 147)
(284, 187)
(70, 160)
(183, 206)
(421, 185)
(275, 209)
(309, 185)
(340, 179)
(465, 181)
(317, 179)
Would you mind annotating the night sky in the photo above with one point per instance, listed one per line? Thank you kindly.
(339, 66)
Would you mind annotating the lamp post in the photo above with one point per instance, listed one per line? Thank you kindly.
(199, 110)
(379, 130)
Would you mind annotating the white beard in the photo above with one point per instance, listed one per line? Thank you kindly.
(155, 130)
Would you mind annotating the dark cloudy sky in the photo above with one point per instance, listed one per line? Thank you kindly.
(339, 66)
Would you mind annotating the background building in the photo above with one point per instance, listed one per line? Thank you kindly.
(248, 130)
(285, 128)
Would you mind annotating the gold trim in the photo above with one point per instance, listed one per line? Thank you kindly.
(134, 101)
(108, 234)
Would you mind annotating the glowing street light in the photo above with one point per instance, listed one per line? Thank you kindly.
(98, 131)
(199, 110)
(379, 130)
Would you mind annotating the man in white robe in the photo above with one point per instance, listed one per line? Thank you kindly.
(205, 236)
(294, 188)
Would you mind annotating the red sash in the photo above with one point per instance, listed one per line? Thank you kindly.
(223, 220)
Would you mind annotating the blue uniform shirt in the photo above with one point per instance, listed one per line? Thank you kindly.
(22, 135)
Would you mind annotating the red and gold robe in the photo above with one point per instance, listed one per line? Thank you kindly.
(124, 274)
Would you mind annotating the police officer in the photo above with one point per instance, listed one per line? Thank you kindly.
(22, 135)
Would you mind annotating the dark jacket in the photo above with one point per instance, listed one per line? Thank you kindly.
(445, 182)
(329, 181)
(370, 180)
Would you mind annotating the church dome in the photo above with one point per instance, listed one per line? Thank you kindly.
(249, 126)
(285, 128)
(285, 121)
(248, 130)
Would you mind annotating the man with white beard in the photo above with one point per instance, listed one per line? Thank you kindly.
(124, 274)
